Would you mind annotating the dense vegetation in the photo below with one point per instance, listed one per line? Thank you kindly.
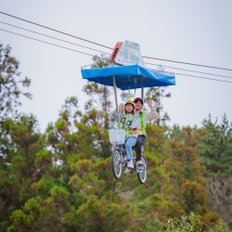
(61, 180)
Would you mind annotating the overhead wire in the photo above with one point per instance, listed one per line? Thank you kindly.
(189, 70)
(74, 50)
(105, 46)
(206, 78)
(45, 42)
(102, 45)
(184, 74)
(182, 62)
(53, 37)
(55, 30)
(194, 76)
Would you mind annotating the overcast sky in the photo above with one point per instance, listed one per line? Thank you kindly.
(193, 31)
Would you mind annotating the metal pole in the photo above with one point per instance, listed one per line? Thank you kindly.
(116, 100)
(129, 87)
(142, 90)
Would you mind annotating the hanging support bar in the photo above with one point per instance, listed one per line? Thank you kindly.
(116, 100)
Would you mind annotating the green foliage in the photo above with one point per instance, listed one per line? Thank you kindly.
(100, 62)
(43, 185)
(154, 225)
(194, 223)
(19, 170)
(221, 226)
(157, 94)
(184, 182)
(216, 148)
(11, 85)
(21, 220)
(189, 223)
(99, 94)
(62, 180)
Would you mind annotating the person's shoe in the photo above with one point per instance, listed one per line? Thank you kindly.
(139, 163)
(130, 164)
(128, 171)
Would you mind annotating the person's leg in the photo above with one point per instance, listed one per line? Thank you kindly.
(130, 142)
(138, 147)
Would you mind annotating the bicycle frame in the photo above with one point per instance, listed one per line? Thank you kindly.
(119, 161)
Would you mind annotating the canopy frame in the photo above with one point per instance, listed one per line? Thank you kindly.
(128, 77)
(116, 100)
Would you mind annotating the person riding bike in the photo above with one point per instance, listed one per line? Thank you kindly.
(129, 121)
(144, 117)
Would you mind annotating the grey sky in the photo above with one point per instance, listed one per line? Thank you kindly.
(194, 31)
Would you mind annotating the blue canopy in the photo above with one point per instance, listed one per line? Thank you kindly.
(128, 77)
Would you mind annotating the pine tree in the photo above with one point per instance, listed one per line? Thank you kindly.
(11, 85)
(99, 94)
(157, 94)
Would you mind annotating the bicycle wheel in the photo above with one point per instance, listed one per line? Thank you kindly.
(142, 170)
(116, 163)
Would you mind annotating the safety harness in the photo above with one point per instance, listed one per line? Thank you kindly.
(128, 122)
(142, 123)
(126, 127)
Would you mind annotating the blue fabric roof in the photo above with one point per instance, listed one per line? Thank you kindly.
(128, 77)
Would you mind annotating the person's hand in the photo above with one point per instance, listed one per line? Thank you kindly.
(150, 103)
(121, 107)
(132, 128)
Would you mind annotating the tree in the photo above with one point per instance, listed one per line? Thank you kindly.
(99, 94)
(216, 147)
(185, 184)
(11, 85)
(156, 94)
(22, 161)
(194, 223)
(216, 151)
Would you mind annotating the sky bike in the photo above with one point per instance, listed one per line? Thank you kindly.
(126, 72)
(119, 161)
